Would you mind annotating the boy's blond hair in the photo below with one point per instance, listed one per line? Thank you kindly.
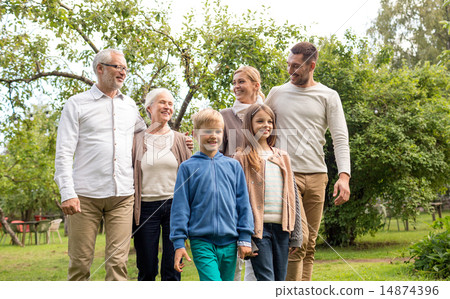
(206, 116)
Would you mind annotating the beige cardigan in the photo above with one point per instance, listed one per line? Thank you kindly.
(179, 150)
(291, 217)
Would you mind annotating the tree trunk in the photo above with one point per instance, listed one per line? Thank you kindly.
(9, 230)
(183, 109)
(28, 215)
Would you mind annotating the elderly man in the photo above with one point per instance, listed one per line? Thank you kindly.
(94, 168)
(305, 109)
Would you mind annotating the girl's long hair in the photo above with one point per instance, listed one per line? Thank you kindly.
(251, 144)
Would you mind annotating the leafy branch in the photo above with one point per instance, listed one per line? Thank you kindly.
(78, 29)
(48, 74)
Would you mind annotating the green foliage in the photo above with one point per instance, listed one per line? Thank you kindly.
(208, 54)
(224, 42)
(446, 23)
(444, 57)
(27, 165)
(211, 45)
(432, 254)
(412, 28)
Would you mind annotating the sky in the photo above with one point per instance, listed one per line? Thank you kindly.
(324, 17)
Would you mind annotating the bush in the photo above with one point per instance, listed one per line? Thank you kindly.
(432, 254)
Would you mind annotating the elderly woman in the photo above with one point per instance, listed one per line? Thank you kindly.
(157, 153)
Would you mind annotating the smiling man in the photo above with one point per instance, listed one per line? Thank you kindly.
(305, 109)
(94, 168)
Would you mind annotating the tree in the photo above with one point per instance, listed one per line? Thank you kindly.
(27, 165)
(412, 29)
(399, 138)
(210, 53)
(446, 24)
(205, 55)
(8, 230)
(445, 55)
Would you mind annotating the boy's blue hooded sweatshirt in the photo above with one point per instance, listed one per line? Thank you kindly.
(210, 202)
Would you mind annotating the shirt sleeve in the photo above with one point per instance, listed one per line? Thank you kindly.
(339, 133)
(245, 225)
(180, 210)
(66, 143)
(140, 123)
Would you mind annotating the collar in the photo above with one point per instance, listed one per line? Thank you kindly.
(275, 152)
(316, 85)
(205, 156)
(97, 94)
(239, 108)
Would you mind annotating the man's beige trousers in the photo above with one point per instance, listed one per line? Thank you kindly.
(312, 190)
(83, 228)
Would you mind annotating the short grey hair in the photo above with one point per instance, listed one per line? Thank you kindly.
(104, 56)
(152, 96)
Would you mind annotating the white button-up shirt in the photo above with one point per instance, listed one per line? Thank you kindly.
(93, 147)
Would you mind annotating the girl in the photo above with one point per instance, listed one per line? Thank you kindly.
(273, 195)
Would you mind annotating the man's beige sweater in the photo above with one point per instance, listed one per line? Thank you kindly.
(303, 117)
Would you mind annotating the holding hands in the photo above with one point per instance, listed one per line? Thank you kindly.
(244, 251)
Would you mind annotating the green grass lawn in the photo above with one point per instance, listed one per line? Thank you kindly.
(372, 258)
(388, 250)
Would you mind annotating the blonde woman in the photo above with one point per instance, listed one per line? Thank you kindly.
(247, 90)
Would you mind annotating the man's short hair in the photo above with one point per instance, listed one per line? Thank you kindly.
(308, 50)
(153, 95)
(205, 117)
(104, 56)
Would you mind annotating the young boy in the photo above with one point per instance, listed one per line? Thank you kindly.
(210, 205)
